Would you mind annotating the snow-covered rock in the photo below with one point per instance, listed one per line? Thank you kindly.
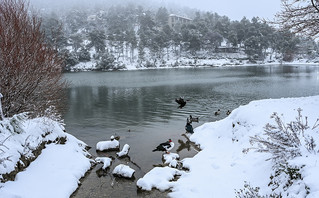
(112, 144)
(158, 178)
(123, 171)
(105, 160)
(124, 151)
(171, 159)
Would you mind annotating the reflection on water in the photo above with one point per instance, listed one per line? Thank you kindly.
(140, 107)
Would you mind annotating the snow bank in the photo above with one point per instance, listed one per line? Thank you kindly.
(124, 151)
(224, 165)
(108, 145)
(123, 171)
(55, 172)
(158, 178)
(105, 160)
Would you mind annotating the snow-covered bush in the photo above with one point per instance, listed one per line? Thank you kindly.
(252, 192)
(289, 145)
(287, 141)
(248, 191)
(14, 124)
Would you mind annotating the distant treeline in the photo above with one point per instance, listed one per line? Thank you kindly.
(133, 34)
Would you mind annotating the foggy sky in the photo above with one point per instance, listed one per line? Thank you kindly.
(235, 9)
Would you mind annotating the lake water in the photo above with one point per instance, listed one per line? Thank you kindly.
(140, 107)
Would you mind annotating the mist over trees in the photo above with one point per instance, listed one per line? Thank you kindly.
(115, 35)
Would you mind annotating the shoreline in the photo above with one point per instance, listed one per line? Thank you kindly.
(193, 66)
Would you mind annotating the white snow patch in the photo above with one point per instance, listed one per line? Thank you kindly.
(124, 152)
(123, 170)
(158, 178)
(171, 159)
(107, 145)
(105, 160)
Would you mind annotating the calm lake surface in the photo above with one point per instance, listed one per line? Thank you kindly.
(140, 107)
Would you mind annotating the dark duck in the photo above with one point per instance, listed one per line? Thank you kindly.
(165, 147)
(191, 119)
(181, 102)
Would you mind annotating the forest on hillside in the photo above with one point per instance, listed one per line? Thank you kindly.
(112, 37)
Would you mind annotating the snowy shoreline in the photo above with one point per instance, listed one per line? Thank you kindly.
(225, 164)
(189, 63)
(221, 168)
(41, 159)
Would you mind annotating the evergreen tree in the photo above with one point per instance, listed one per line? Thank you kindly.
(97, 40)
(84, 55)
(162, 17)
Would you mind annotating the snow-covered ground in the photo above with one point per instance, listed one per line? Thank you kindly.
(54, 173)
(204, 60)
(225, 164)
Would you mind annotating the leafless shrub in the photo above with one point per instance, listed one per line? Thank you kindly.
(31, 78)
(284, 141)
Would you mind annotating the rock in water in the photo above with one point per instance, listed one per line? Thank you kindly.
(112, 144)
(105, 160)
(124, 152)
(122, 170)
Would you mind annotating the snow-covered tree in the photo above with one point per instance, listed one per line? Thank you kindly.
(299, 16)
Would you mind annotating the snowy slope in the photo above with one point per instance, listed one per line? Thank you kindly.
(225, 164)
(55, 172)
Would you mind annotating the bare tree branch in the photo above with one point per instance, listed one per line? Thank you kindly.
(31, 70)
(300, 17)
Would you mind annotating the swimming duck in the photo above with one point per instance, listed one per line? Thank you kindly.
(217, 112)
(181, 102)
(191, 119)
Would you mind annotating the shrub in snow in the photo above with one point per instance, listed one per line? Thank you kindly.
(84, 55)
(252, 192)
(248, 192)
(123, 171)
(124, 152)
(286, 143)
(106, 61)
(105, 160)
(14, 124)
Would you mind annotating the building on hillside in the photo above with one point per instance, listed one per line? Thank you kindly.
(226, 47)
(174, 19)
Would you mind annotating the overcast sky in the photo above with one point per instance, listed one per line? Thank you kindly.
(235, 9)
